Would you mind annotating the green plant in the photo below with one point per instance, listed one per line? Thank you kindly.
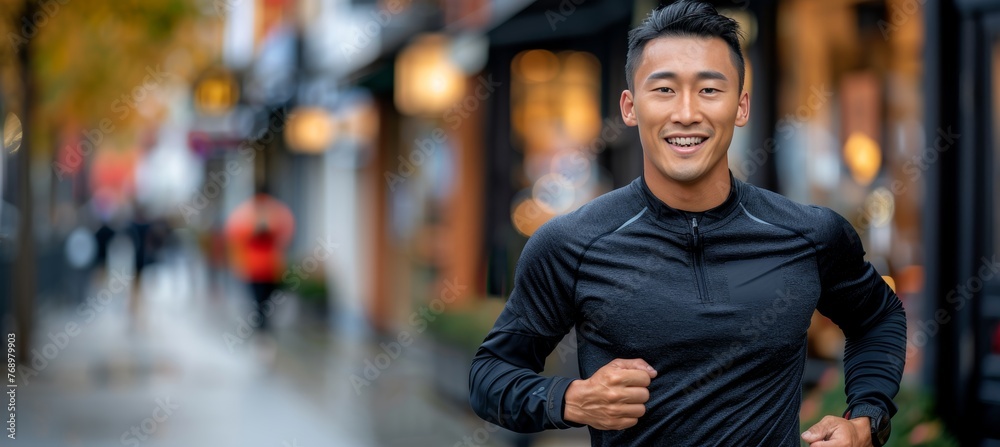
(309, 286)
(466, 327)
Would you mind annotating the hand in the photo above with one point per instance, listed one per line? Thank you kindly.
(833, 431)
(613, 398)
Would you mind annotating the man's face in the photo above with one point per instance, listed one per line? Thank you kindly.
(686, 102)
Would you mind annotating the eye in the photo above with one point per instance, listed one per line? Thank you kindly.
(710, 90)
(664, 89)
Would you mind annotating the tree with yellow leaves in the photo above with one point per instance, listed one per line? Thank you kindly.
(70, 66)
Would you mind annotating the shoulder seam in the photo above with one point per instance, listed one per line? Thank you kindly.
(633, 219)
(784, 227)
(583, 253)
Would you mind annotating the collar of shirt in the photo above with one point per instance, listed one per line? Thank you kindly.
(679, 220)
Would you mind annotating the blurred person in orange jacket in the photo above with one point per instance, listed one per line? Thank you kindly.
(258, 232)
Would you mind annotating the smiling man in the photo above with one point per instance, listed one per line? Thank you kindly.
(691, 291)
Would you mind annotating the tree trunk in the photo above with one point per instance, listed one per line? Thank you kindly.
(24, 267)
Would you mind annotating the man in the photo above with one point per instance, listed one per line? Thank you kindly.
(691, 291)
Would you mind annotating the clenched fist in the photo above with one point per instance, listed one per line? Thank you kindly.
(614, 398)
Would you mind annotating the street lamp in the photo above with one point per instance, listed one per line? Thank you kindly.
(310, 130)
(427, 81)
(216, 92)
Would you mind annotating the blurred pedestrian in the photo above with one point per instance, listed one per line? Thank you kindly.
(102, 237)
(139, 230)
(149, 236)
(258, 232)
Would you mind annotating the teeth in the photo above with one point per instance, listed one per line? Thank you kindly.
(685, 141)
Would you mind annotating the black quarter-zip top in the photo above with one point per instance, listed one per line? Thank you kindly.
(718, 302)
(698, 265)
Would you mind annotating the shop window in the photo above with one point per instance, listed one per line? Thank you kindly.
(556, 121)
(849, 124)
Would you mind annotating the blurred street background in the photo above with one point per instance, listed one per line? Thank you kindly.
(292, 222)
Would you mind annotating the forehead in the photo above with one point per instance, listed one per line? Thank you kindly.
(686, 54)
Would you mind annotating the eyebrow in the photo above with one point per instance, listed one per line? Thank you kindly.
(702, 75)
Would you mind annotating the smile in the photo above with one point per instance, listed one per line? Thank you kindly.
(686, 141)
(686, 145)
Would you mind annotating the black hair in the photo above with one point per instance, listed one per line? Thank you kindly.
(684, 18)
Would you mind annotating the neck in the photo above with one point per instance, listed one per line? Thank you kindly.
(703, 194)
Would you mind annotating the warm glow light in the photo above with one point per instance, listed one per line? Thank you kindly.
(555, 99)
(361, 122)
(310, 130)
(527, 216)
(216, 93)
(580, 121)
(580, 67)
(863, 157)
(538, 65)
(427, 81)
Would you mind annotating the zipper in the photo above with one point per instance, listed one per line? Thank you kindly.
(699, 262)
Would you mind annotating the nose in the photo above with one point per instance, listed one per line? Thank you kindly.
(687, 110)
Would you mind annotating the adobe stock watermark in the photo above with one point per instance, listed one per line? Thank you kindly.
(223, 7)
(137, 434)
(480, 436)
(628, 285)
(958, 297)
(785, 127)
(900, 14)
(124, 105)
(566, 8)
(757, 326)
(424, 147)
(247, 326)
(364, 35)
(419, 321)
(557, 195)
(30, 26)
(60, 340)
(423, 150)
(461, 110)
(913, 169)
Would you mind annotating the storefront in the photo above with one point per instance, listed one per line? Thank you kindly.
(876, 109)
(961, 214)
(880, 110)
(556, 138)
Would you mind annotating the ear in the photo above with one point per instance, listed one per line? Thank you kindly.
(743, 110)
(628, 109)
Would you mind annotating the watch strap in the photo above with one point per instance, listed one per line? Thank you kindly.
(879, 418)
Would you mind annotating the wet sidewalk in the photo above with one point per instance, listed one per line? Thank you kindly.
(186, 370)
(170, 380)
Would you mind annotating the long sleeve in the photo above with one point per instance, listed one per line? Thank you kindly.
(505, 385)
(858, 300)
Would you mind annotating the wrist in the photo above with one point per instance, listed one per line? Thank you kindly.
(863, 427)
(572, 405)
(879, 424)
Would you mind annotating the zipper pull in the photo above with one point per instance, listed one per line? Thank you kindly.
(694, 230)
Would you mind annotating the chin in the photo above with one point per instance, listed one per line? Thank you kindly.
(683, 176)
